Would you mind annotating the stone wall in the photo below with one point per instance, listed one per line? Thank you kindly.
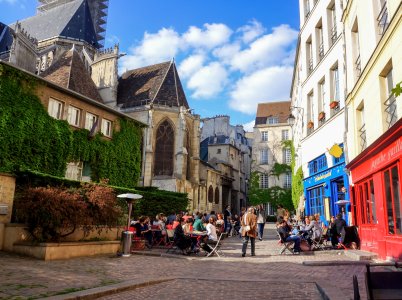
(7, 188)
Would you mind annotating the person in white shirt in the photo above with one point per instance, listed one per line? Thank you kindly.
(211, 238)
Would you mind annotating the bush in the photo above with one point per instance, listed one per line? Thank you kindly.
(53, 213)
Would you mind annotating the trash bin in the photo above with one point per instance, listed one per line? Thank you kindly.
(127, 237)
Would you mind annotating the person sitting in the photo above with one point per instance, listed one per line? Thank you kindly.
(220, 224)
(198, 224)
(283, 230)
(188, 225)
(312, 231)
(183, 242)
(142, 229)
(211, 238)
(176, 222)
(236, 224)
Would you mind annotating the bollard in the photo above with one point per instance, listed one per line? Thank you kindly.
(127, 237)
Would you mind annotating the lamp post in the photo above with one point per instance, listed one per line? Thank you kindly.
(127, 234)
(246, 190)
(292, 118)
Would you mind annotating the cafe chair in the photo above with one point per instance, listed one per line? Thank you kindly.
(170, 245)
(285, 245)
(216, 249)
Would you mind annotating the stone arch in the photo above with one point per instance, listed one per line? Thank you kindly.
(164, 148)
(210, 194)
(217, 195)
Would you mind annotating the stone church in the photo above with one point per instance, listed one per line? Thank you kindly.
(64, 31)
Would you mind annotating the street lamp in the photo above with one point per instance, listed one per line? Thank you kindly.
(291, 117)
(127, 234)
(246, 190)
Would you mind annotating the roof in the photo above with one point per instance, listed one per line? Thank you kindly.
(69, 71)
(155, 84)
(272, 109)
(71, 20)
(6, 38)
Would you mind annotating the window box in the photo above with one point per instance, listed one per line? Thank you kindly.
(334, 104)
(321, 116)
(310, 124)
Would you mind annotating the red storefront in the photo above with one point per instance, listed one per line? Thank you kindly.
(377, 200)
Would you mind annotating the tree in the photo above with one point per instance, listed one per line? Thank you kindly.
(397, 90)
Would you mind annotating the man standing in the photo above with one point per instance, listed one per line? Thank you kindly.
(227, 216)
(249, 230)
(261, 217)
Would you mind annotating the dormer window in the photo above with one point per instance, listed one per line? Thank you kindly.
(272, 120)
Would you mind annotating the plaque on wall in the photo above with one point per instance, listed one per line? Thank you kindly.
(3, 209)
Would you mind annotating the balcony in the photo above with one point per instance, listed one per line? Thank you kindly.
(363, 141)
(334, 35)
(382, 19)
(310, 66)
(390, 110)
(358, 67)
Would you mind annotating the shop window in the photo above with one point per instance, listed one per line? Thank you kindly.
(316, 200)
(365, 201)
(393, 200)
(317, 165)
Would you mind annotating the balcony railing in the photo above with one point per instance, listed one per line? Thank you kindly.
(382, 19)
(358, 67)
(321, 51)
(310, 66)
(334, 34)
(390, 110)
(363, 141)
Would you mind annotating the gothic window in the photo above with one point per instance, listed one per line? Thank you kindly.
(210, 194)
(164, 149)
(216, 195)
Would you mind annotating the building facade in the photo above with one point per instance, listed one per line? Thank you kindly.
(373, 33)
(271, 130)
(318, 101)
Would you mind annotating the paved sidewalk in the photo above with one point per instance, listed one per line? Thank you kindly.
(273, 276)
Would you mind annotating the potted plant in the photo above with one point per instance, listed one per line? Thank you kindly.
(321, 116)
(310, 124)
(334, 104)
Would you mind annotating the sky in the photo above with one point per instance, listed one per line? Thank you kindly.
(230, 54)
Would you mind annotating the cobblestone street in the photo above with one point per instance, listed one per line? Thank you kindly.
(266, 276)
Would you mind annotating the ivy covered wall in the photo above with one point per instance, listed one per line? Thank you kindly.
(32, 140)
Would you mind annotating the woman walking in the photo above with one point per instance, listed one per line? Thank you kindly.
(249, 230)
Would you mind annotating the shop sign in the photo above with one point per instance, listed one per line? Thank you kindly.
(386, 156)
(323, 176)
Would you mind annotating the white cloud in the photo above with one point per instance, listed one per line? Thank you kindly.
(212, 36)
(226, 52)
(208, 81)
(191, 65)
(251, 31)
(267, 50)
(249, 127)
(269, 84)
(154, 48)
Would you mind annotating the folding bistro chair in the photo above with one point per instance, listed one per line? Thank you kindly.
(217, 248)
(285, 245)
(170, 245)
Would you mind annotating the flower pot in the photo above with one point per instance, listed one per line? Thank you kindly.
(334, 104)
(310, 124)
(321, 116)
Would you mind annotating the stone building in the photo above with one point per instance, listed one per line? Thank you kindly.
(271, 129)
(226, 149)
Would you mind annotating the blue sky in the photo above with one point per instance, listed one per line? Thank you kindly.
(231, 54)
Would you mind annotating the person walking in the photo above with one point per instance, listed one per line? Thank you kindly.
(261, 217)
(249, 230)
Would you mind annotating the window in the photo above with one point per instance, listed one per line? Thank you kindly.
(217, 195)
(322, 102)
(74, 115)
(287, 156)
(285, 135)
(316, 200)
(106, 127)
(309, 56)
(362, 126)
(264, 136)
(264, 181)
(310, 106)
(164, 150)
(366, 202)
(307, 9)
(210, 194)
(264, 156)
(91, 121)
(356, 49)
(320, 41)
(288, 181)
(218, 151)
(335, 84)
(333, 33)
(390, 102)
(382, 18)
(55, 109)
(273, 120)
(393, 200)
(74, 171)
(317, 165)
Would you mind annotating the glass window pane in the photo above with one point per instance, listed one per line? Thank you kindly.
(372, 201)
(388, 199)
(367, 203)
(397, 199)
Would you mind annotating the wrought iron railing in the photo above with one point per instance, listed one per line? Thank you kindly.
(363, 140)
(321, 51)
(334, 34)
(382, 19)
(358, 67)
(390, 109)
(310, 66)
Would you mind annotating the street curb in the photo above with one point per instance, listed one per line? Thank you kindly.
(334, 263)
(95, 293)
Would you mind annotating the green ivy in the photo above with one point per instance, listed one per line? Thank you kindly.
(297, 177)
(32, 140)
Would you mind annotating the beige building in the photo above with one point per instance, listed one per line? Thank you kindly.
(271, 129)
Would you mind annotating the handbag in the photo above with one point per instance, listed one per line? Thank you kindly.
(247, 228)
